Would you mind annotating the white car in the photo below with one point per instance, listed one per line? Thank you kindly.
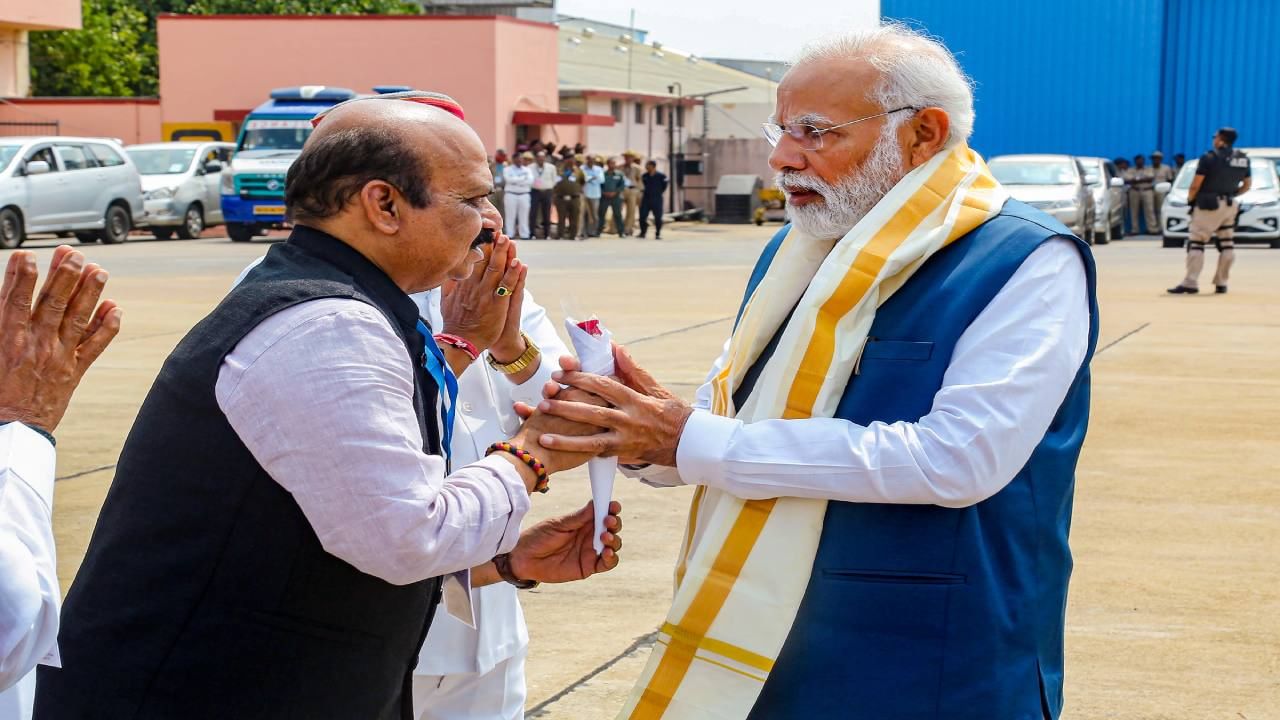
(67, 184)
(1108, 198)
(1259, 217)
(1052, 183)
(180, 185)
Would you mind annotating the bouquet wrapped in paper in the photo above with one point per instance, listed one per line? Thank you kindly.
(594, 345)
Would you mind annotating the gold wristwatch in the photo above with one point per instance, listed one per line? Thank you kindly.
(531, 354)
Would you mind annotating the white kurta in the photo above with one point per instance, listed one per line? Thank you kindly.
(29, 596)
(485, 416)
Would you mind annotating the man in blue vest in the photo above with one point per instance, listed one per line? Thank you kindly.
(931, 430)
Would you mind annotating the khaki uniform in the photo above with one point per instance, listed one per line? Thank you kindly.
(1163, 174)
(1206, 224)
(569, 204)
(631, 196)
(1142, 198)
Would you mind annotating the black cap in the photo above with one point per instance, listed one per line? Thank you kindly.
(1228, 134)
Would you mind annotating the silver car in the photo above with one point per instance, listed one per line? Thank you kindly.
(180, 184)
(56, 184)
(1108, 198)
(1052, 183)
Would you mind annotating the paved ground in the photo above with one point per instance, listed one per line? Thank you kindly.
(1175, 601)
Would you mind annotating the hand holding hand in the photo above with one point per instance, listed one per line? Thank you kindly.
(644, 422)
(47, 348)
(538, 424)
(560, 550)
(472, 308)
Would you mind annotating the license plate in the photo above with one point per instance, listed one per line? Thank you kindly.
(268, 210)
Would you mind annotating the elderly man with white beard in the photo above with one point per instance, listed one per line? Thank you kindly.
(884, 454)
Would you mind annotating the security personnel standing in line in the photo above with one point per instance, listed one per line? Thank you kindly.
(1163, 174)
(1221, 176)
(1142, 195)
(1126, 174)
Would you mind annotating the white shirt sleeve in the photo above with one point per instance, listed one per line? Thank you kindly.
(1009, 374)
(322, 395)
(29, 596)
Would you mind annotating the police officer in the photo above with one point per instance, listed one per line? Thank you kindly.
(568, 199)
(1142, 195)
(1163, 174)
(1221, 176)
(1126, 174)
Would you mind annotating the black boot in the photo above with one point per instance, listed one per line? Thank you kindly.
(1182, 290)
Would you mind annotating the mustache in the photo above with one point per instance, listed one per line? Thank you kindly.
(795, 182)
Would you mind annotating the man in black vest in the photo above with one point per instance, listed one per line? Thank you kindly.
(1222, 174)
(283, 518)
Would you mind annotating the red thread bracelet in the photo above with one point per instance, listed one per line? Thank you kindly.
(461, 343)
(543, 482)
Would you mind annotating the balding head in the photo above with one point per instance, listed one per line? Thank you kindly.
(373, 139)
(404, 183)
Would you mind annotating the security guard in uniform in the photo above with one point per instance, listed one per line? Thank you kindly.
(1142, 195)
(1221, 176)
(1163, 174)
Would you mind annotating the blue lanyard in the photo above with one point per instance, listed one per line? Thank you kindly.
(438, 368)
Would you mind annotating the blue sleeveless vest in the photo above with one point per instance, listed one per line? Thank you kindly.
(920, 612)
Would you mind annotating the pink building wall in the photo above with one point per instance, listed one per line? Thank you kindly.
(132, 120)
(492, 66)
(40, 14)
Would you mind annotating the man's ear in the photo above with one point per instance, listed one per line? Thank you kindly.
(381, 204)
(927, 134)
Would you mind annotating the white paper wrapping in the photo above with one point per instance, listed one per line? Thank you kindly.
(595, 352)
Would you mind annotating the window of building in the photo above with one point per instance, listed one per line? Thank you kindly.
(660, 114)
(639, 118)
(679, 116)
(615, 109)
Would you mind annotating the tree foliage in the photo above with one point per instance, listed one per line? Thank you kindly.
(114, 53)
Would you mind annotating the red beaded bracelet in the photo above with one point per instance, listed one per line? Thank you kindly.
(543, 482)
(461, 343)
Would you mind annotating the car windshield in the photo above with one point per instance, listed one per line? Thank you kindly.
(162, 161)
(7, 154)
(269, 134)
(1033, 172)
(1262, 172)
(1091, 173)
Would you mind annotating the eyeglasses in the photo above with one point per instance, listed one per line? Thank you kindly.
(810, 136)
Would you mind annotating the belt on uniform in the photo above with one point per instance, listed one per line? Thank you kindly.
(513, 192)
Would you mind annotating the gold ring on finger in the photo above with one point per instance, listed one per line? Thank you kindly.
(503, 291)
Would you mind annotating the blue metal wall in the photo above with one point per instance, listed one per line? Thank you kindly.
(1111, 77)
(1221, 67)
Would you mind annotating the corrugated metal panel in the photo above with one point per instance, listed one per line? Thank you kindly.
(1111, 77)
(1221, 64)
(1080, 77)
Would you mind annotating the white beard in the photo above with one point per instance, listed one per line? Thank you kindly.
(843, 205)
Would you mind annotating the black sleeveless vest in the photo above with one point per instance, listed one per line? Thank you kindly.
(205, 594)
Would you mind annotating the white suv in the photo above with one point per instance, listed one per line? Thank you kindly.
(180, 184)
(67, 184)
(1258, 220)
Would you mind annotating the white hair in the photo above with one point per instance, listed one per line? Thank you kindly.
(917, 71)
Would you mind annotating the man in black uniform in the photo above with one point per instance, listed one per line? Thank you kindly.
(655, 184)
(1221, 175)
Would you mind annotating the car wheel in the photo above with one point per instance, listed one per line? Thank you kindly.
(1171, 242)
(1117, 231)
(10, 229)
(87, 237)
(241, 232)
(162, 233)
(1275, 244)
(1102, 238)
(192, 223)
(116, 224)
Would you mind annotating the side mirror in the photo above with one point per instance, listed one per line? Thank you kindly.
(1164, 188)
(213, 166)
(37, 167)
(1117, 182)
